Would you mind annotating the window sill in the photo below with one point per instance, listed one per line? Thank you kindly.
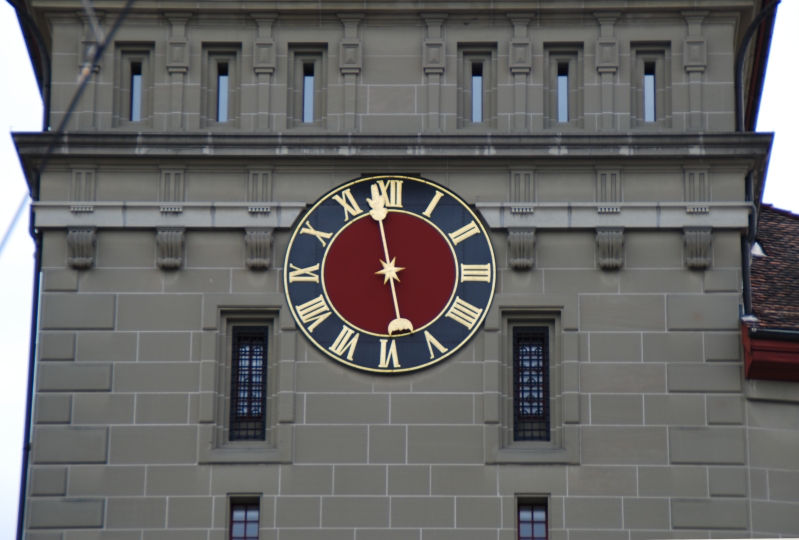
(533, 452)
(247, 451)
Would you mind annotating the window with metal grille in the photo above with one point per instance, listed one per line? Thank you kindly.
(244, 519)
(248, 389)
(530, 383)
(533, 521)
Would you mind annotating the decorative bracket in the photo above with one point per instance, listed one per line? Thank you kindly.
(521, 248)
(81, 243)
(258, 246)
(610, 248)
(698, 247)
(350, 48)
(169, 246)
(177, 59)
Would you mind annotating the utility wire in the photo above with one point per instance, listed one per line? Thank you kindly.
(13, 224)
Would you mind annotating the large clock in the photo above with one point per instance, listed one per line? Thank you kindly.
(389, 273)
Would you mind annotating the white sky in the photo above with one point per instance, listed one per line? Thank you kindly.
(20, 110)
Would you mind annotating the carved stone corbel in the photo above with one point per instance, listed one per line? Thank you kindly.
(258, 248)
(698, 247)
(169, 248)
(521, 248)
(80, 244)
(610, 248)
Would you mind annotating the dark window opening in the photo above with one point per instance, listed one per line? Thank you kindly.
(531, 383)
(563, 92)
(477, 92)
(533, 521)
(244, 520)
(307, 92)
(649, 92)
(248, 388)
(222, 92)
(135, 91)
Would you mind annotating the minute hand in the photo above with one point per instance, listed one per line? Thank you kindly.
(389, 271)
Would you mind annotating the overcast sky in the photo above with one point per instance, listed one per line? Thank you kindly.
(20, 110)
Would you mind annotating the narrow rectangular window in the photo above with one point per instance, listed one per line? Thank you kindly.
(135, 91)
(307, 92)
(222, 92)
(531, 383)
(477, 92)
(533, 521)
(563, 92)
(248, 384)
(649, 92)
(244, 520)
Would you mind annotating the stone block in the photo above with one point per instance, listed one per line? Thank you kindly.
(48, 481)
(61, 311)
(65, 513)
(106, 481)
(727, 481)
(157, 377)
(408, 480)
(432, 409)
(54, 252)
(673, 347)
(315, 534)
(622, 378)
(306, 480)
(708, 514)
(675, 481)
(478, 513)
(593, 513)
(69, 377)
(126, 248)
(164, 346)
(44, 535)
(122, 280)
(53, 408)
(189, 512)
(162, 408)
(178, 480)
(325, 377)
(675, 410)
(515, 479)
(608, 313)
(422, 512)
(763, 414)
(245, 479)
(774, 449)
(706, 445)
(160, 312)
(106, 347)
(623, 445)
(445, 444)
(360, 480)
(386, 534)
(463, 480)
(565, 249)
(640, 513)
(330, 444)
(528, 281)
(56, 346)
(782, 486)
(725, 410)
(759, 483)
(249, 281)
(103, 408)
(346, 409)
(136, 513)
(602, 481)
(355, 512)
(452, 376)
(723, 346)
(615, 347)
(771, 518)
(153, 444)
(191, 280)
(216, 249)
(702, 312)
(653, 249)
(704, 378)
(580, 281)
(617, 409)
(298, 512)
(722, 281)
(726, 249)
(60, 279)
(660, 281)
(70, 445)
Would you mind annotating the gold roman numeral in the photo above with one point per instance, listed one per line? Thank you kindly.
(347, 339)
(314, 311)
(433, 342)
(306, 274)
(390, 356)
(433, 203)
(391, 191)
(321, 236)
(464, 232)
(475, 272)
(349, 203)
(464, 313)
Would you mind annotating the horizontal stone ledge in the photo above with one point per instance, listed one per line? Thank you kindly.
(149, 215)
(335, 145)
(676, 215)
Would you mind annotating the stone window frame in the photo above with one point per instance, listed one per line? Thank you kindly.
(220, 314)
(642, 53)
(300, 54)
(573, 55)
(125, 55)
(486, 54)
(212, 55)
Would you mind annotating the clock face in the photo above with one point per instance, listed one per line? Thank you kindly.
(389, 273)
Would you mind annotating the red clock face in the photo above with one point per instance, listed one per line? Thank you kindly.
(389, 273)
